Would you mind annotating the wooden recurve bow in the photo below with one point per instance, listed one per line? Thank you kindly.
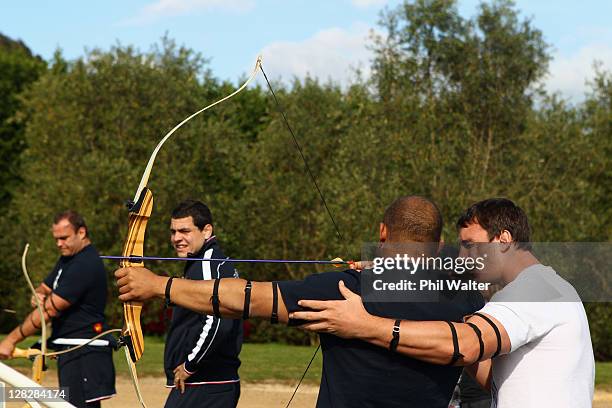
(140, 209)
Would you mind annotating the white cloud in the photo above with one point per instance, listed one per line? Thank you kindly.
(368, 3)
(170, 8)
(569, 73)
(332, 53)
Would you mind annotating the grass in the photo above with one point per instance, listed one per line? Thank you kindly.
(261, 362)
(603, 375)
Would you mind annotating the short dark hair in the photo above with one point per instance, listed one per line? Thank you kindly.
(195, 209)
(75, 219)
(414, 218)
(495, 215)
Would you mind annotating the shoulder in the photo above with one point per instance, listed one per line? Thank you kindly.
(88, 254)
(217, 267)
(88, 260)
(212, 250)
(537, 283)
(322, 286)
(349, 277)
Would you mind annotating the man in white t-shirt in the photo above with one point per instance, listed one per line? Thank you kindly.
(530, 345)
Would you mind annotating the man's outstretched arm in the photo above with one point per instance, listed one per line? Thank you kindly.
(140, 284)
(431, 341)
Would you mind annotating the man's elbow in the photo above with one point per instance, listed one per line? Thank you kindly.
(50, 313)
(470, 353)
(467, 354)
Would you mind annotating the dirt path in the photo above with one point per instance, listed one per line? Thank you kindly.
(254, 395)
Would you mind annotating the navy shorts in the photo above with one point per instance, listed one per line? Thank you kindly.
(89, 375)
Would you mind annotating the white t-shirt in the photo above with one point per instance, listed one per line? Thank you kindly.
(551, 361)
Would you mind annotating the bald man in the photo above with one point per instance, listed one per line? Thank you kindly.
(355, 373)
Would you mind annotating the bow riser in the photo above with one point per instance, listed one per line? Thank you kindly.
(139, 215)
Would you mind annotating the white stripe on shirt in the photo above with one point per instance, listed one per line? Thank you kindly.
(206, 275)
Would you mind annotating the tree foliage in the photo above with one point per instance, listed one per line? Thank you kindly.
(18, 69)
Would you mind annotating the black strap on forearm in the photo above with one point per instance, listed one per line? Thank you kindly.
(495, 329)
(168, 302)
(21, 331)
(274, 316)
(456, 353)
(479, 335)
(50, 297)
(247, 300)
(32, 321)
(396, 336)
(215, 298)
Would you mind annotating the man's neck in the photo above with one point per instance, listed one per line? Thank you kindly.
(201, 248)
(520, 261)
(84, 244)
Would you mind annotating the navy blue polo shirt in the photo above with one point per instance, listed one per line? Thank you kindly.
(359, 374)
(81, 280)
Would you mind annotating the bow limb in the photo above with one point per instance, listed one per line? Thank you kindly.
(147, 172)
(38, 364)
(39, 360)
(134, 374)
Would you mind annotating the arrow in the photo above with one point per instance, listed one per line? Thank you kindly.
(137, 259)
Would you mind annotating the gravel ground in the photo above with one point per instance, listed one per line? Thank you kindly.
(253, 395)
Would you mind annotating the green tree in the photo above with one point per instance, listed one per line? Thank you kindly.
(18, 69)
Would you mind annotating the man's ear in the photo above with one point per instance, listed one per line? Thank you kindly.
(383, 233)
(505, 237)
(82, 232)
(208, 231)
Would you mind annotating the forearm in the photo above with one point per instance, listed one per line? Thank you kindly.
(30, 326)
(43, 289)
(481, 372)
(197, 296)
(428, 341)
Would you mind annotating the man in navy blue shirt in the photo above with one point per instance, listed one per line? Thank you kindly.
(355, 373)
(74, 297)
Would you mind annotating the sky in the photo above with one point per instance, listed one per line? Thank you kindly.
(327, 39)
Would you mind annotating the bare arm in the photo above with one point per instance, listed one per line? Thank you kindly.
(481, 372)
(433, 341)
(140, 284)
(430, 341)
(42, 291)
(52, 305)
